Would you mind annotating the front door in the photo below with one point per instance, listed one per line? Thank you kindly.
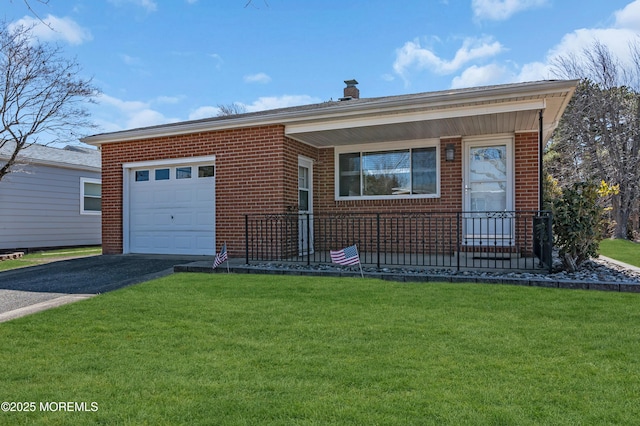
(305, 206)
(488, 192)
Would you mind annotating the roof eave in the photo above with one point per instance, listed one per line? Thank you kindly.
(444, 99)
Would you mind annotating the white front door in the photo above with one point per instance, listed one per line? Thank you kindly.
(305, 205)
(488, 191)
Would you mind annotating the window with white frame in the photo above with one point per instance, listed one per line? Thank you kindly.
(90, 196)
(396, 170)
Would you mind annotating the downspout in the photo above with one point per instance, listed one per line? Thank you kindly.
(540, 159)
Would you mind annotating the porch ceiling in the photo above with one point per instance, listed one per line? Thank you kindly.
(464, 120)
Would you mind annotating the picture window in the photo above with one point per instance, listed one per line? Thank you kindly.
(405, 172)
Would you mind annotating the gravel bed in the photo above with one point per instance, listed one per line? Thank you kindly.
(594, 271)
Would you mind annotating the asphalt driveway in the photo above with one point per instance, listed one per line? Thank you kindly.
(70, 280)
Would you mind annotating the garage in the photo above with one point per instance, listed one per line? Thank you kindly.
(170, 207)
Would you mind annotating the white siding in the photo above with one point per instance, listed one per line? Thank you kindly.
(40, 207)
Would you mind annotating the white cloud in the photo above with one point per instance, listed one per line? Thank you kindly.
(260, 77)
(629, 17)
(617, 38)
(148, 5)
(624, 31)
(116, 114)
(204, 112)
(475, 76)
(499, 10)
(53, 28)
(273, 102)
(147, 117)
(535, 71)
(413, 56)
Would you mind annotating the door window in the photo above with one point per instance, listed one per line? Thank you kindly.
(488, 178)
(303, 188)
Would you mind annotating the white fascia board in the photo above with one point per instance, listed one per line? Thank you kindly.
(375, 120)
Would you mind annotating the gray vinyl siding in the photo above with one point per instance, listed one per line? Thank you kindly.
(40, 207)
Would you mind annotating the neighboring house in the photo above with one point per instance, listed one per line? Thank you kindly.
(51, 198)
(186, 187)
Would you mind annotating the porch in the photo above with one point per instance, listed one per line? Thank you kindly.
(508, 240)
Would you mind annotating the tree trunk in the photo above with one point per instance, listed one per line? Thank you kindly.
(621, 213)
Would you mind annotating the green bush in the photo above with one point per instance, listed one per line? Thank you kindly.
(578, 223)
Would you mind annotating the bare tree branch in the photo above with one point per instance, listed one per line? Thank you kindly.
(27, 3)
(42, 97)
(231, 109)
(599, 135)
(250, 3)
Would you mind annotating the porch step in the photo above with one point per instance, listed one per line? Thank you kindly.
(491, 255)
(496, 256)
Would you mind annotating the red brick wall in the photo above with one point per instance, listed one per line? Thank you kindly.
(250, 164)
(526, 171)
(257, 172)
(111, 199)
(292, 150)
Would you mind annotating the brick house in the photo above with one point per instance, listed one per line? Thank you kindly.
(185, 188)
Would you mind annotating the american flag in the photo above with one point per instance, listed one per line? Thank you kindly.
(346, 256)
(220, 257)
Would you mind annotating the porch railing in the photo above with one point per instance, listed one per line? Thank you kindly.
(519, 240)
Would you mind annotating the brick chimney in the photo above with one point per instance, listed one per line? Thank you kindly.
(351, 91)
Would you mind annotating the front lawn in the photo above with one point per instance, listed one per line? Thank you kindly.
(623, 250)
(251, 349)
(40, 257)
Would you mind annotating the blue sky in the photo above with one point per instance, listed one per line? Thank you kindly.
(162, 61)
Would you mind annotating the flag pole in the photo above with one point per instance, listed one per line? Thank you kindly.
(225, 244)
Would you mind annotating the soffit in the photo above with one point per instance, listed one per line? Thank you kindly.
(473, 119)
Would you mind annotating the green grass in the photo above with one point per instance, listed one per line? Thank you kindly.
(623, 250)
(250, 349)
(40, 257)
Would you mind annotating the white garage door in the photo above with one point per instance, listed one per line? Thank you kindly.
(172, 209)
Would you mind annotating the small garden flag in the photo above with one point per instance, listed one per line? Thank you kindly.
(221, 257)
(347, 256)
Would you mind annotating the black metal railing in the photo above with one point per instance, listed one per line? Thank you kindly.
(480, 240)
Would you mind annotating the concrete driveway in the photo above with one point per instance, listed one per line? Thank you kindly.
(28, 290)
